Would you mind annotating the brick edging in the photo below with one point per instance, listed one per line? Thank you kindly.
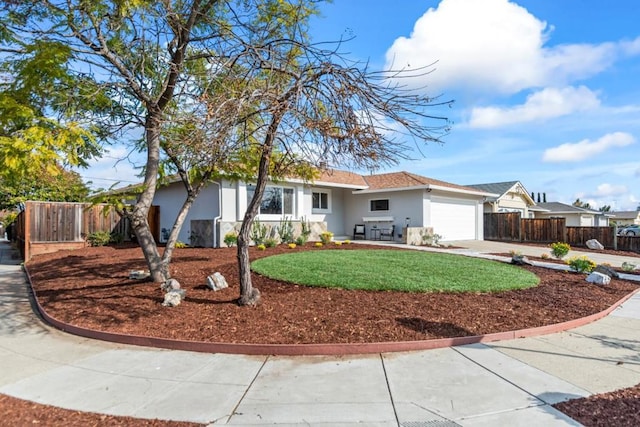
(314, 349)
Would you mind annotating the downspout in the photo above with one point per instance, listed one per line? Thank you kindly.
(216, 220)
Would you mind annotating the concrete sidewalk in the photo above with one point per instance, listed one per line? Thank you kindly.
(505, 383)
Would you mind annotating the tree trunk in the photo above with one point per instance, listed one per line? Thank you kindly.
(248, 294)
(159, 271)
(177, 225)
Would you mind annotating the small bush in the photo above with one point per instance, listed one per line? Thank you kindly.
(628, 267)
(326, 237)
(285, 230)
(560, 250)
(581, 264)
(292, 245)
(545, 256)
(99, 238)
(270, 242)
(261, 247)
(346, 242)
(300, 241)
(180, 245)
(231, 239)
(259, 232)
(337, 243)
(318, 244)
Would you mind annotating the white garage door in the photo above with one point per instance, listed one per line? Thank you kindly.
(453, 219)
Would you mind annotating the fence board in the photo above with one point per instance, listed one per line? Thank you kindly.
(41, 224)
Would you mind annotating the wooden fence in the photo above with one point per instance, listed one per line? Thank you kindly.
(44, 227)
(509, 227)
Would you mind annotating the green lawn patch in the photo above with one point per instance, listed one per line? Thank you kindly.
(393, 270)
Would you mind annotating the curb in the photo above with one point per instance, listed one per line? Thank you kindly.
(315, 349)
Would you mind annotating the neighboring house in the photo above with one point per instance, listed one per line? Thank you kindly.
(511, 197)
(625, 217)
(336, 202)
(575, 216)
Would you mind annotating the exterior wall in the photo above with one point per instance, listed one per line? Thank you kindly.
(170, 200)
(335, 216)
(402, 205)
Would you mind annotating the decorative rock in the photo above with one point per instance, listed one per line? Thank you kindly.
(138, 274)
(598, 278)
(520, 260)
(217, 281)
(170, 285)
(607, 271)
(594, 244)
(173, 298)
(628, 267)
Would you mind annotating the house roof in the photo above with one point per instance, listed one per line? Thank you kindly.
(343, 178)
(495, 187)
(557, 207)
(406, 180)
(625, 214)
(502, 188)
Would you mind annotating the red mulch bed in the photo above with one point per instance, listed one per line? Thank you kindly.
(90, 288)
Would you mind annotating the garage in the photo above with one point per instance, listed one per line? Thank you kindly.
(454, 219)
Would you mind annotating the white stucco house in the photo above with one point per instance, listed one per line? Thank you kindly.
(336, 202)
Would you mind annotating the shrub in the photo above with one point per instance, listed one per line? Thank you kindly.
(560, 250)
(318, 244)
(325, 237)
(259, 232)
(116, 238)
(270, 242)
(231, 239)
(628, 267)
(180, 245)
(99, 238)
(581, 264)
(346, 242)
(291, 245)
(261, 247)
(285, 230)
(545, 256)
(300, 241)
(337, 243)
(305, 227)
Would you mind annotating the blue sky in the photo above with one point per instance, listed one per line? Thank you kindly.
(546, 92)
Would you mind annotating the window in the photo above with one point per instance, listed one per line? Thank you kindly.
(379, 205)
(275, 200)
(321, 201)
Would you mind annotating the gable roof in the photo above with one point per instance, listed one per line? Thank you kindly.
(495, 187)
(502, 188)
(557, 207)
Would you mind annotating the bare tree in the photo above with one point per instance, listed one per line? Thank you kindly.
(313, 107)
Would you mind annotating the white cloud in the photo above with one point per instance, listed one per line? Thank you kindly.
(608, 190)
(493, 45)
(114, 167)
(545, 104)
(575, 152)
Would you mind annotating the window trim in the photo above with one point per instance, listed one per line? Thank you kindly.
(379, 210)
(282, 214)
(320, 210)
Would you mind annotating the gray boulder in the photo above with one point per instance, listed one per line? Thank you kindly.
(598, 278)
(217, 281)
(520, 260)
(607, 271)
(594, 244)
(173, 298)
(170, 285)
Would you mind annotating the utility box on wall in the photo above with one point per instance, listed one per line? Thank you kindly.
(201, 234)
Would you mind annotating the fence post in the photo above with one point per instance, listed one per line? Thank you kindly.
(615, 237)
